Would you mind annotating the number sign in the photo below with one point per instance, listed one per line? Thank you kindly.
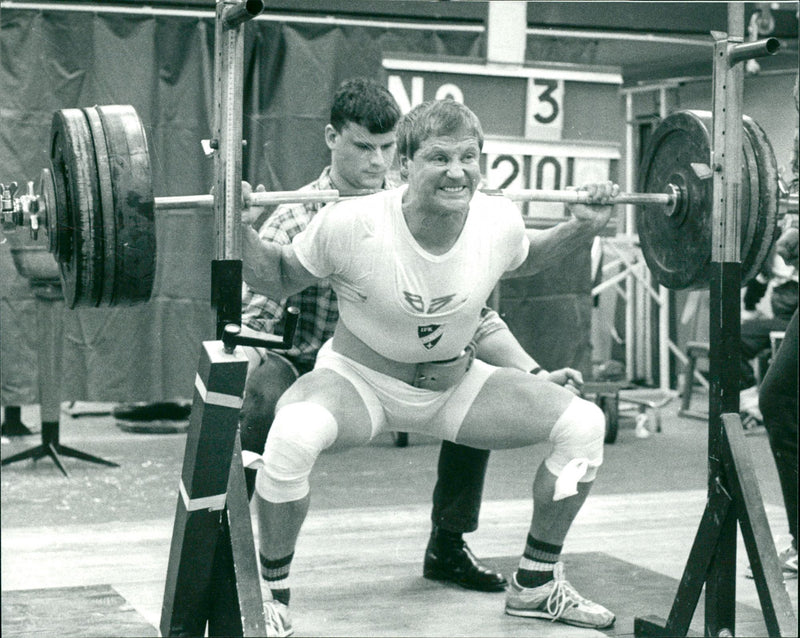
(518, 164)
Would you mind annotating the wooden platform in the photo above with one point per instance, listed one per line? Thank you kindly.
(357, 571)
(72, 570)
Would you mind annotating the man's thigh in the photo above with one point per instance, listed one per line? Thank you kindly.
(337, 395)
(513, 409)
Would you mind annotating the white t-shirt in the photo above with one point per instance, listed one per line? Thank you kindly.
(402, 301)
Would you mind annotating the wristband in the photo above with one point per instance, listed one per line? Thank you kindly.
(536, 370)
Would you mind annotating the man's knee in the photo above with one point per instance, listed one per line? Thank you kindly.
(262, 390)
(578, 436)
(299, 433)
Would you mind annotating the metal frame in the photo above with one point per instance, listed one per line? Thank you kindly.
(212, 578)
(733, 493)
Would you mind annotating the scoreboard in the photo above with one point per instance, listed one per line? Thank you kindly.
(546, 127)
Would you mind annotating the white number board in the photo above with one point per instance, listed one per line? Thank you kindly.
(518, 164)
(544, 109)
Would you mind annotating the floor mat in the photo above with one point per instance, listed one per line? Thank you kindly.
(65, 612)
(632, 591)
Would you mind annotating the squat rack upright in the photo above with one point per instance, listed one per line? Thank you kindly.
(733, 492)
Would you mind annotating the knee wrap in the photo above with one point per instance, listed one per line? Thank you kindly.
(299, 433)
(577, 439)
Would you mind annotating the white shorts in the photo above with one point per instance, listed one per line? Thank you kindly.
(395, 406)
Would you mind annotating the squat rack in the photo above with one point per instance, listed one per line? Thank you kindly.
(733, 492)
(212, 579)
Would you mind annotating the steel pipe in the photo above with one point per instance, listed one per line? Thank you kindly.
(580, 197)
(274, 198)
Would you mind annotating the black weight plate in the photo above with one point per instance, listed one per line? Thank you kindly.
(75, 183)
(107, 228)
(766, 227)
(131, 184)
(677, 248)
(750, 205)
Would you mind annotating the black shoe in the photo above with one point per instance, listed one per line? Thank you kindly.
(457, 564)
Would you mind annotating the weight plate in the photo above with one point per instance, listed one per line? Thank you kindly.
(77, 204)
(750, 203)
(133, 209)
(766, 227)
(104, 285)
(677, 248)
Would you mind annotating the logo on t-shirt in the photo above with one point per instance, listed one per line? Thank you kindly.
(430, 334)
(418, 304)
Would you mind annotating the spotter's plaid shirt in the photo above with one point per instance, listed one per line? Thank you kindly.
(318, 309)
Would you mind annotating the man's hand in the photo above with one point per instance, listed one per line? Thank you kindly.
(569, 378)
(250, 214)
(598, 211)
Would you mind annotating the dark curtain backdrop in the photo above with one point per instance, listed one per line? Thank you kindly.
(163, 66)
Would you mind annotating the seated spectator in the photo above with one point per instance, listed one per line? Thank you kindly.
(780, 283)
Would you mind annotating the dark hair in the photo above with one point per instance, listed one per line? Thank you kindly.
(364, 102)
(434, 118)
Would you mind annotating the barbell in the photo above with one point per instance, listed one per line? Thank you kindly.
(97, 206)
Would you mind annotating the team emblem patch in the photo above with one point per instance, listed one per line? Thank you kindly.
(430, 334)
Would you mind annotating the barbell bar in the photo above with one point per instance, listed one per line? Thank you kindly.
(97, 205)
(275, 198)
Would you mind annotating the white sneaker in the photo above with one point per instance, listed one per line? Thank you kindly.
(279, 621)
(748, 402)
(788, 562)
(556, 600)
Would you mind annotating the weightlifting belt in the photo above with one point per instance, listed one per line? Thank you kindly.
(430, 375)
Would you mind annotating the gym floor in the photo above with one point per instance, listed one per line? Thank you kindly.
(87, 555)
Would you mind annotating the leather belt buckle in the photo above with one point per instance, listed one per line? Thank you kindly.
(442, 375)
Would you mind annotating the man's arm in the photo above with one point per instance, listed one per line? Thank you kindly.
(501, 348)
(271, 269)
(495, 344)
(552, 244)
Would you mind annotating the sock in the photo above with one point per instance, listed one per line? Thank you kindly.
(276, 574)
(536, 564)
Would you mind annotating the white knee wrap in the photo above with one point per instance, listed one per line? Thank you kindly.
(298, 434)
(577, 439)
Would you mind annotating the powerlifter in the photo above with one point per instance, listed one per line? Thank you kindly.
(412, 268)
(361, 138)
